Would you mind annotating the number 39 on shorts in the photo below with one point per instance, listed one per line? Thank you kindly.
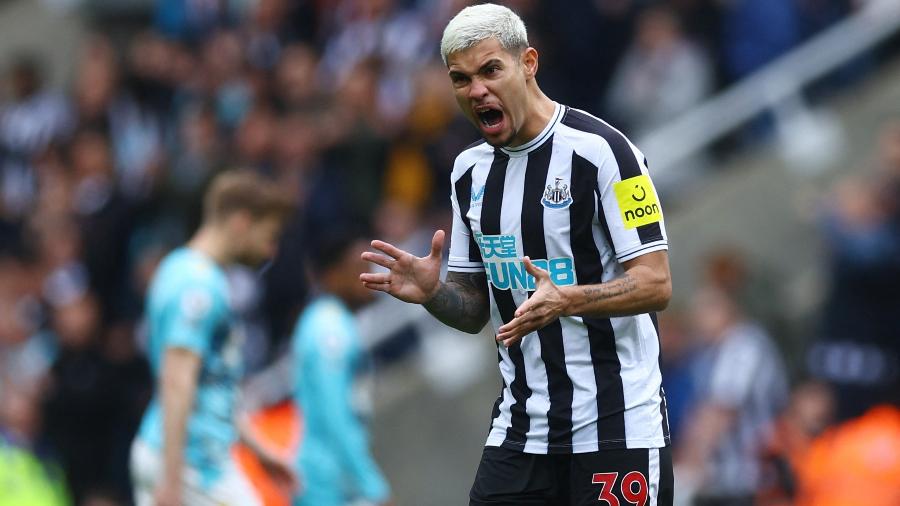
(633, 488)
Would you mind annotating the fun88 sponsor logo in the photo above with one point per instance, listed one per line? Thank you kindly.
(506, 271)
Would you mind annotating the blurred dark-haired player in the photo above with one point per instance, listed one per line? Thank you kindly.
(331, 366)
(181, 455)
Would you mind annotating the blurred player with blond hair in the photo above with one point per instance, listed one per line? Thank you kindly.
(182, 453)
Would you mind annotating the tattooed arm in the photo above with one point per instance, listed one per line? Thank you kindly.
(646, 286)
(462, 301)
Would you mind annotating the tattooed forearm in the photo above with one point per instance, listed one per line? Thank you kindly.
(624, 285)
(645, 286)
(462, 301)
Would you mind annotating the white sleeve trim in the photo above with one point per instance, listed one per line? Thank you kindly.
(465, 267)
(642, 249)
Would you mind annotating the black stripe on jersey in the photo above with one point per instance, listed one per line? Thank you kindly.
(559, 384)
(584, 183)
(625, 159)
(589, 270)
(490, 224)
(655, 320)
(663, 410)
(463, 198)
(495, 411)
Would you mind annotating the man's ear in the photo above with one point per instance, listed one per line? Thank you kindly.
(530, 62)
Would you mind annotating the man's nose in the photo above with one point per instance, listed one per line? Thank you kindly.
(477, 89)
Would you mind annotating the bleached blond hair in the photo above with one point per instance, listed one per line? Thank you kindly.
(480, 22)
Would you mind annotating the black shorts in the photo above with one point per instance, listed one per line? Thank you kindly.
(608, 477)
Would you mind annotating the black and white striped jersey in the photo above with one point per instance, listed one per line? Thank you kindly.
(578, 201)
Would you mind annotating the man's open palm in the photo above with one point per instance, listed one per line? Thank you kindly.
(409, 278)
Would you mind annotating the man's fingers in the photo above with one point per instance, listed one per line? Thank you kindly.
(381, 287)
(511, 341)
(520, 326)
(525, 307)
(534, 270)
(512, 338)
(437, 244)
(388, 249)
(375, 277)
(517, 322)
(377, 259)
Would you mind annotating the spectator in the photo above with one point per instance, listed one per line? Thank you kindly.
(28, 474)
(25, 353)
(808, 414)
(101, 211)
(858, 350)
(677, 364)
(191, 19)
(296, 79)
(87, 405)
(854, 463)
(742, 386)
(197, 156)
(661, 75)
(225, 78)
(756, 32)
(32, 120)
(378, 30)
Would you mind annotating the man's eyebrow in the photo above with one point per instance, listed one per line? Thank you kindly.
(489, 63)
(492, 61)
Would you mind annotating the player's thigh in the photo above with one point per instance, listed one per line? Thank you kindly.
(145, 465)
(511, 478)
(231, 488)
(637, 476)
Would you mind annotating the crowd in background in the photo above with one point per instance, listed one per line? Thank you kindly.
(346, 104)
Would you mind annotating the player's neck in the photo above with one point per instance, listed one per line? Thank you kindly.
(211, 242)
(541, 110)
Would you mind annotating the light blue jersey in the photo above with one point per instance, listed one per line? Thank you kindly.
(334, 459)
(187, 307)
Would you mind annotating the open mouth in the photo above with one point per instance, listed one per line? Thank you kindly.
(490, 118)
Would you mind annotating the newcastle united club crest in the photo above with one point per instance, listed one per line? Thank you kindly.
(557, 197)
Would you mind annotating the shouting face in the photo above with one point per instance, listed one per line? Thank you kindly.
(491, 88)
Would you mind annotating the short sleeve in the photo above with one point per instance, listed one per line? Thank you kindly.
(464, 253)
(631, 208)
(193, 317)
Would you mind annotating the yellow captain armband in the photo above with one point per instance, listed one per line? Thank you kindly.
(637, 201)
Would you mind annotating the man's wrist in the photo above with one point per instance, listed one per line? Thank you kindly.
(568, 295)
(429, 298)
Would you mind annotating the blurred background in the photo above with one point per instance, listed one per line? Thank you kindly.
(772, 129)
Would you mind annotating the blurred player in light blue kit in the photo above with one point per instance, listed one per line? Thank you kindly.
(182, 453)
(335, 464)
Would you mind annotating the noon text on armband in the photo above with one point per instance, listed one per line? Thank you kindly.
(506, 270)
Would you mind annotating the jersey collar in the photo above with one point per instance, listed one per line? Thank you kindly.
(535, 143)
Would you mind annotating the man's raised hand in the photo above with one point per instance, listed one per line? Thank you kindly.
(545, 305)
(409, 278)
